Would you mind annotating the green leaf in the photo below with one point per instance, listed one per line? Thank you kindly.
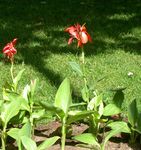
(63, 96)
(38, 114)
(48, 143)
(87, 138)
(120, 125)
(49, 107)
(26, 130)
(78, 104)
(111, 109)
(95, 102)
(139, 122)
(28, 143)
(85, 94)
(25, 105)
(118, 98)
(26, 92)
(10, 110)
(78, 116)
(1, 104)
(33, 86)
(132, 113)
(17, 78)
(109, 135)
(76, 68)
(98, 100)
(14, 133)
(16, 97)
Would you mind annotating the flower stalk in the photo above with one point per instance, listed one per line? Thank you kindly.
(11, 70)
(63, 139)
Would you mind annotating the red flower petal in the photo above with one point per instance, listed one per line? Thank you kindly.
(70, 40)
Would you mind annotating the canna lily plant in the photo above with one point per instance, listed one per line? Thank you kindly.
(63, 109)
(9, 51)
(80, 33)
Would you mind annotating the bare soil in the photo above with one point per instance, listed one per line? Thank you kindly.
(53, 128)
(43, 132)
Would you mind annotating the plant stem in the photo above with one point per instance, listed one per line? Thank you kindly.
(63, 134)
(11, 70)
(84, 75)
(83, 56)
(133, 137)
(31, 119)
(3, 138)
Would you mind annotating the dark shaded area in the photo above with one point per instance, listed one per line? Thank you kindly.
(53, 16)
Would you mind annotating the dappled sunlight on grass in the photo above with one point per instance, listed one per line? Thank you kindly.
(122, 16)
(42, 43)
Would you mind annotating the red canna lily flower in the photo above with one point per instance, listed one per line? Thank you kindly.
(80, 33)
(9, 50)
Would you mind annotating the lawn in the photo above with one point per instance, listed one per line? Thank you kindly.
(43, 51)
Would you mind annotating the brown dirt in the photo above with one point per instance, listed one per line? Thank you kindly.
(53, 128)
(43, 132)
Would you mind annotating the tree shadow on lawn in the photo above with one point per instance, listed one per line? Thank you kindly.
(110, 23)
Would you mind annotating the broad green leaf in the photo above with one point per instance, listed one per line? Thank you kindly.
(112, 133)
(33, 86)
(28, 143)
(9, 111)
(16, 97)
(95, 102)
(87, 138)
(78, 116)
(120, 125)
(132, 113)
(17, 78)
(38, 114)
(98, 100)
(63, 96)
(48, 143)
(139, 122)
(26, 130)
(118, 98)
(14, 133)
(101, 109)
(26, 92)
(111, 109)
(52, 108)
(91, 104)
(85, 94)
(25, 105)
(1, 104)
(76, 68)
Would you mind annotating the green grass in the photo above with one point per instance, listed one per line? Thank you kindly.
(43, 51)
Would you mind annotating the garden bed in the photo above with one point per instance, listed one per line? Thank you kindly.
(53, 128)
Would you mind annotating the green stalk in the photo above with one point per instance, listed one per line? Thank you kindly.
(11, 70)
(63, 139)
(31, 120)
(3, 138)
(133, 137)
(84, 74)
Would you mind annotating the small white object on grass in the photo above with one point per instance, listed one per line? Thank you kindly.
(130, 74)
